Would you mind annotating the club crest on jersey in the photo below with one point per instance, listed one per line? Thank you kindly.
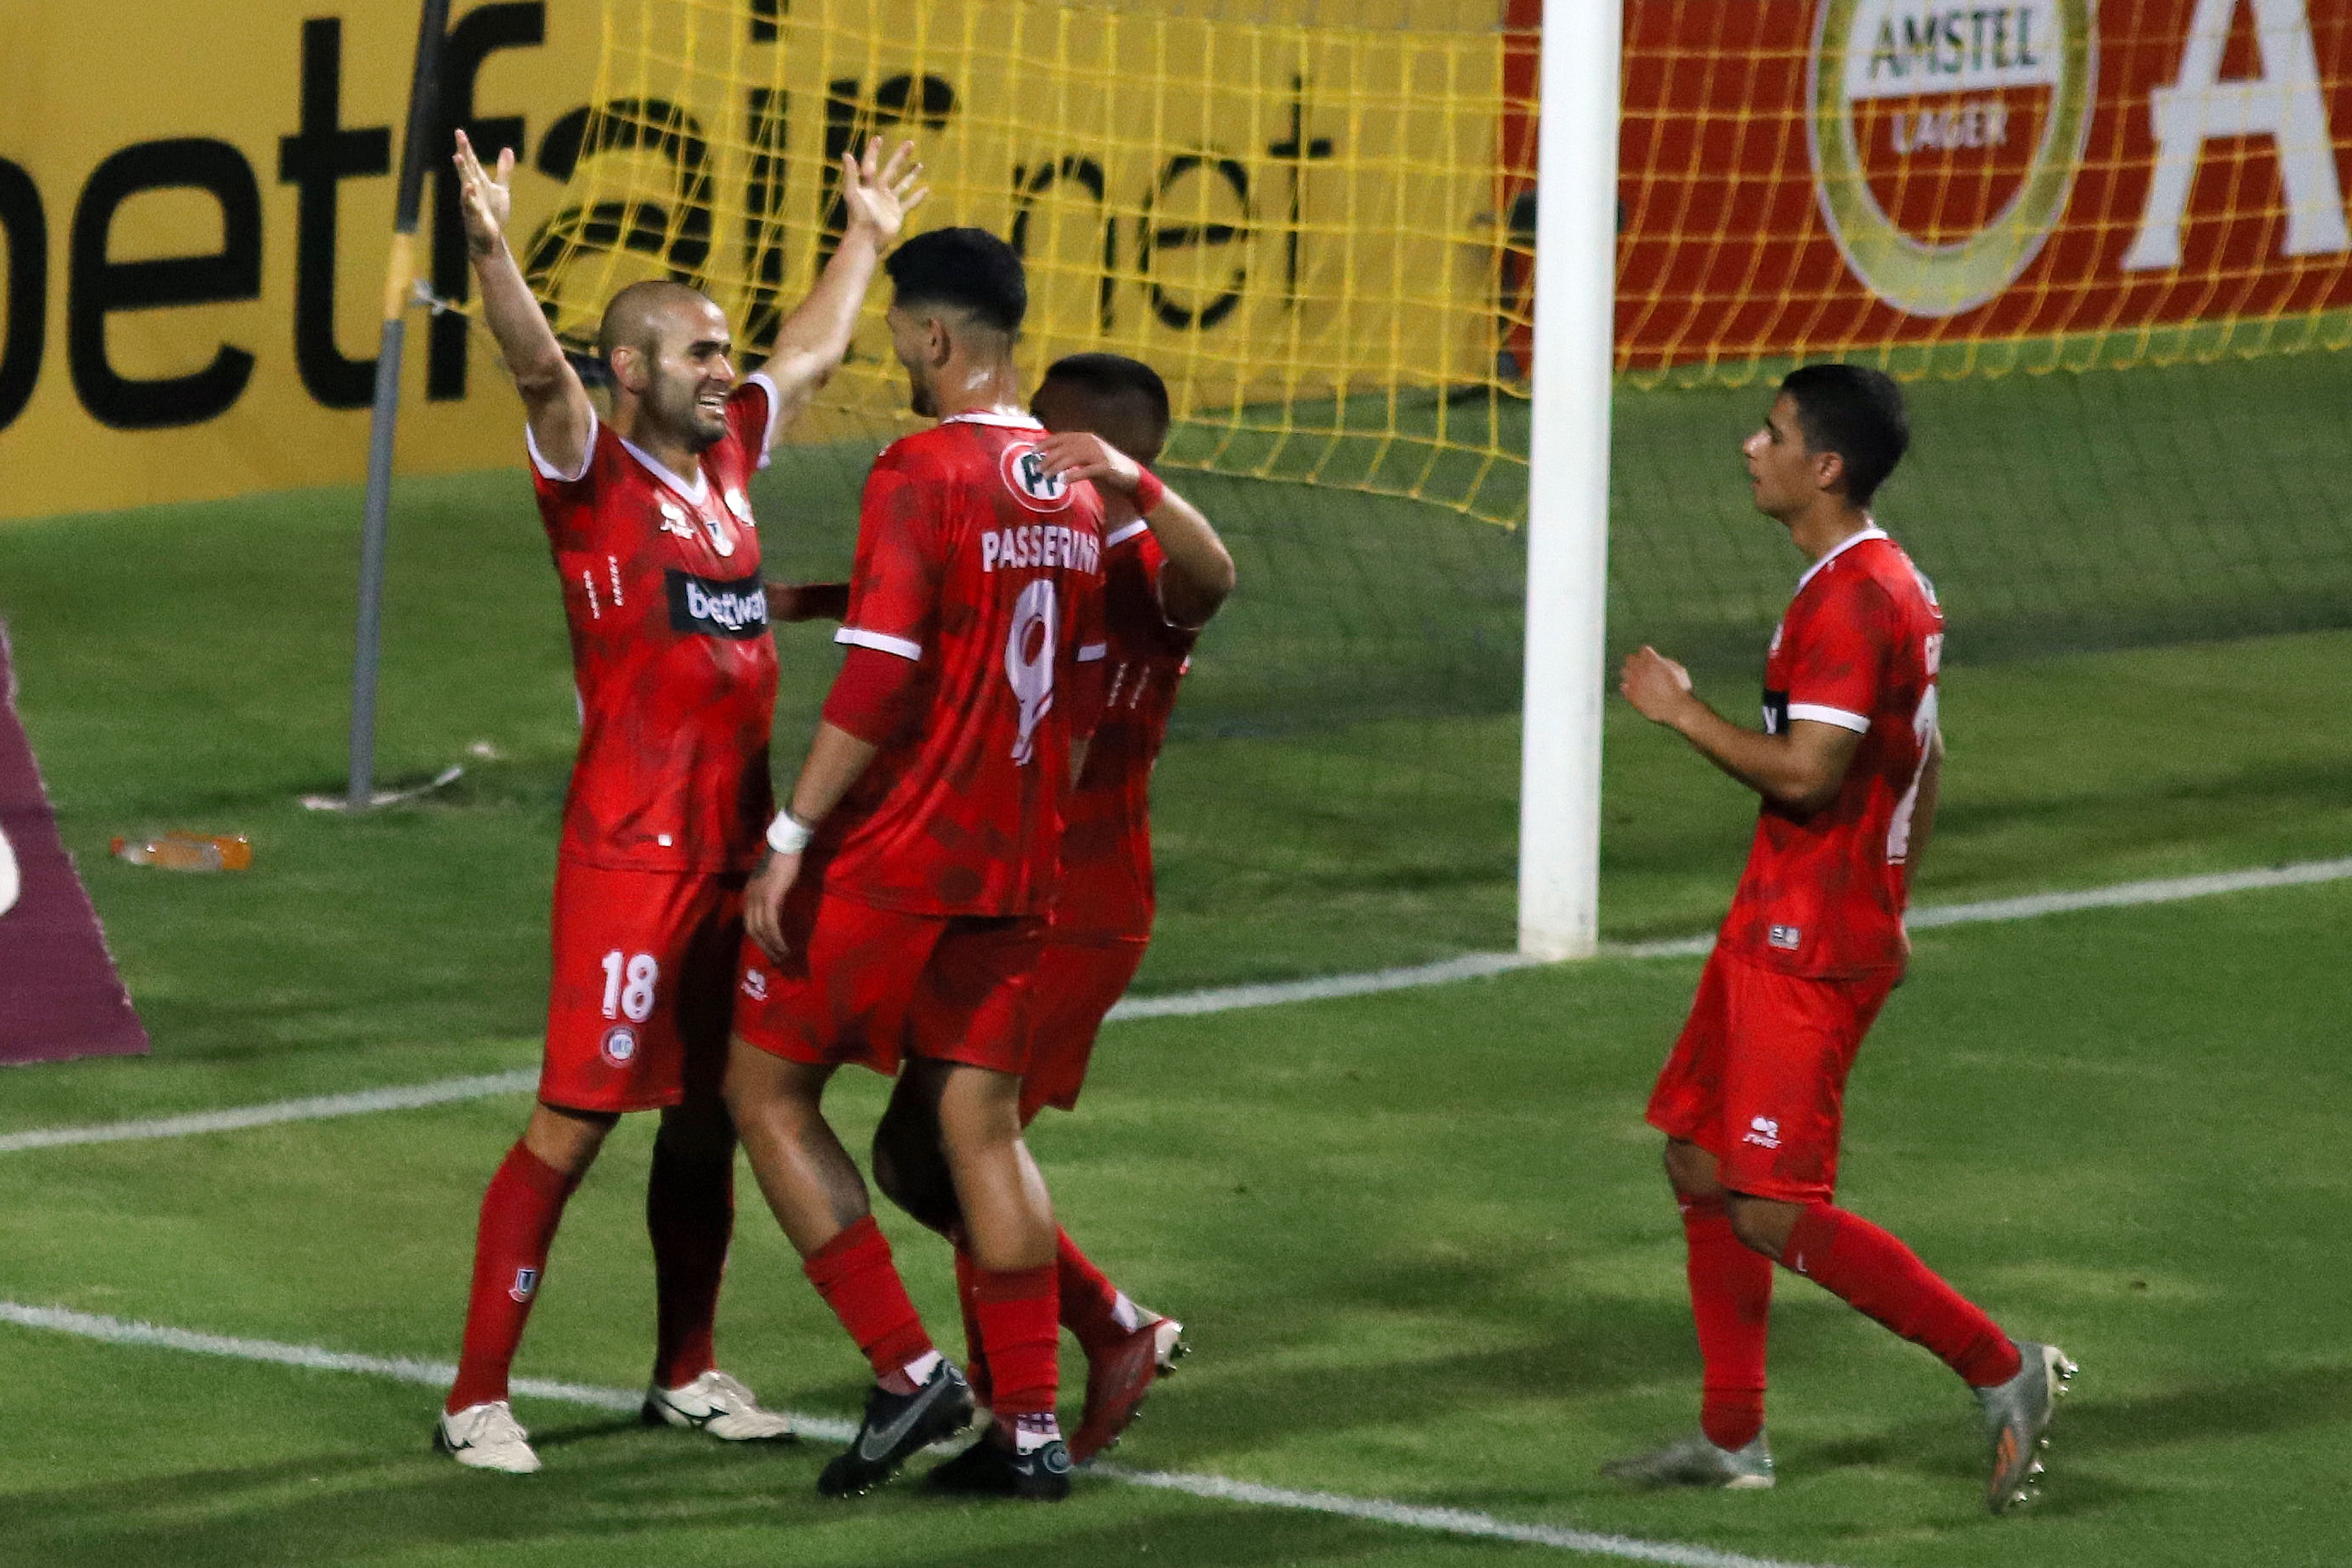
(1031, 483)
(525, 1286)
(618, 1047)
(1787, 938)
(755, 984)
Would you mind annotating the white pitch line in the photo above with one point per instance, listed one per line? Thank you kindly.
(1223, 999)
(440, 1375)
(1230, 998)
(405, 1096)
(1446, 1521)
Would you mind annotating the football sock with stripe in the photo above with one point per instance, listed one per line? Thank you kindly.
(1731, 1301)
(1020, 1331)
(521, 1209)
(854, 1274)
(690, 1216)
(1876, 1274)
(1089, 1301)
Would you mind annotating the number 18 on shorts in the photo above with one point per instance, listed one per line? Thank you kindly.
(643, 974)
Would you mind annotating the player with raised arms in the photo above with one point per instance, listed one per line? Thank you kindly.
(901, 912)
(1751, 1097)
(1167, 573)
(651, 526)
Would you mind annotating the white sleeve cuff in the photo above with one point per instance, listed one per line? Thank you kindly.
(1857, 722)
(548, 470)
(881, 642)
(776, 407)
(1121, 535)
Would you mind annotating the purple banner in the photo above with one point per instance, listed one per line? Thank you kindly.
(59, 996)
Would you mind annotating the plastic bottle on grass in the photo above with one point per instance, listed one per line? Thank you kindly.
(188, 851)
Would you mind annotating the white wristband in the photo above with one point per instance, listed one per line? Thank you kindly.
(786, 835)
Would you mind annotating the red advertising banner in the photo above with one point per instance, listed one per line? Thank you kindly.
(59, 996)
(1807, 178)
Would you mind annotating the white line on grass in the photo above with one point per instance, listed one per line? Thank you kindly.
(1223, 999)
(440, 1375)
(364, 1102)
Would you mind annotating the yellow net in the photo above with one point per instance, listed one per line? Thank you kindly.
(1951, 190)
(1299, 222)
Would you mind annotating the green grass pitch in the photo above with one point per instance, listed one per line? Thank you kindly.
(1421, 1239)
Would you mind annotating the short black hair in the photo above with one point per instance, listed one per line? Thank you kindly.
(968, 268)
(1856, 412)
(1114, 375)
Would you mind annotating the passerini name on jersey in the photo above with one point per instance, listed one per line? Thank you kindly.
(1040, 544)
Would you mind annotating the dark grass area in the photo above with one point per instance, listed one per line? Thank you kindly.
(1425, 1251)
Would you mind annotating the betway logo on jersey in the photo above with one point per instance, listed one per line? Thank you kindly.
(1041, 544)
(736, 609)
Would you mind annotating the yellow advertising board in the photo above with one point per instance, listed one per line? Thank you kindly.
(196, 202)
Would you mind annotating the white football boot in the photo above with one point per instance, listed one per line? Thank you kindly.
(488, 1437)
(718, 1404)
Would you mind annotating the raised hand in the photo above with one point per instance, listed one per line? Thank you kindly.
(879, 195)
(484, 199)
(1080, 455)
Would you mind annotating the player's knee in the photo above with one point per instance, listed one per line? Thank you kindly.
(698, 1130)
(567, 1141)
(1760, 1224)
(911, 1172)
(1690, 1170)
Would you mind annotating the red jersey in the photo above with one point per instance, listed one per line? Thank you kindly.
(987, 573)
(1106, 892)
(1823, 893)
(670, 651)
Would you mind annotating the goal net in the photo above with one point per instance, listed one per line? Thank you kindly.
(2103, 241)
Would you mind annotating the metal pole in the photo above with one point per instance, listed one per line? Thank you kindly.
(400, 274)
(1567, 480)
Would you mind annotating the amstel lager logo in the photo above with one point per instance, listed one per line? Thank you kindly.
(1945, 138)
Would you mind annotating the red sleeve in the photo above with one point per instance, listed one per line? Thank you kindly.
(751, 417)
(893, 586)
(567, 502)
(1837, 664)
(870, 696)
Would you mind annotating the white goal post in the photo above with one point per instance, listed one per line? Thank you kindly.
(1567, 480)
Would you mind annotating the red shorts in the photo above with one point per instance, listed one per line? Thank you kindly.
(645, 966)
(1077, 984)
(871, 986)
(1758, 1079)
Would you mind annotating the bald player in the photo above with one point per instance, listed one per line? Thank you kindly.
(650, 523)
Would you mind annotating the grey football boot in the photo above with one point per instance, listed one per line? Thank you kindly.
(2017, 1415)
(1694, 1461)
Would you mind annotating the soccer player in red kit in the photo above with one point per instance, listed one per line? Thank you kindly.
(1167, 572)
(654, 543)
(1751, 1097)
(902, 908)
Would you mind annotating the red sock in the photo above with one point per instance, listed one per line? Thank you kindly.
(1877, 1275)
(690, 1215)
(1089, 1300)
(1018, 1327)
(975, 1366)
(854, 1275)
(1732, 1298)
(519, 1211)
